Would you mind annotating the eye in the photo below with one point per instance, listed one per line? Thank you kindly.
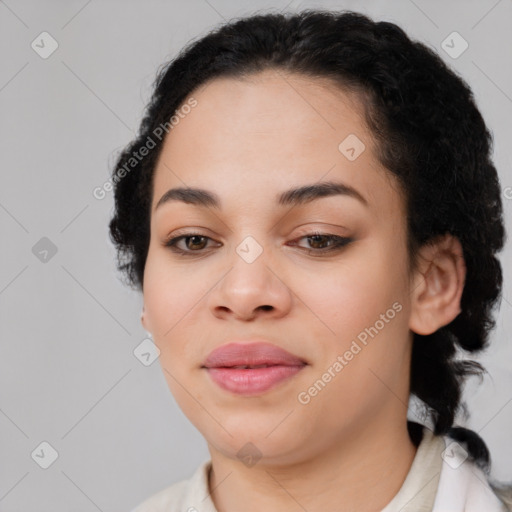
(193, 243)
(321, 243)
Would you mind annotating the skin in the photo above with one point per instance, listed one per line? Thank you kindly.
(247, 141)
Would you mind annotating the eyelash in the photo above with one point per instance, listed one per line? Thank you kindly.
(338, 243)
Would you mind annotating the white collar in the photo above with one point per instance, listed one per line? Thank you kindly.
(463, 487)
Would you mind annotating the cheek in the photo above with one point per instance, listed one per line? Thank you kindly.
(353, 295)
(364, 304)
(170, 294)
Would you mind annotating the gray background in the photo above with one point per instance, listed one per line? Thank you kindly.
(68, 375)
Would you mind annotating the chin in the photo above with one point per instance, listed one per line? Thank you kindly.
(255, 435)
(252, 449)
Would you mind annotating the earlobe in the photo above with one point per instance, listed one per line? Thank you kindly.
(145, 323)
(143, 317)
(438, 285)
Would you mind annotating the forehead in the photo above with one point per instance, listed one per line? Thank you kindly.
(271, 107)
(267, 131)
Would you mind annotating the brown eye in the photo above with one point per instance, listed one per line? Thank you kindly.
(322, 243)
(319, 241)
(196, 242)
(189, 244)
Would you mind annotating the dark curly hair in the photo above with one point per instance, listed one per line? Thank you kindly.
(429, 134)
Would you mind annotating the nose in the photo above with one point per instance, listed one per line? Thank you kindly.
(250, 289)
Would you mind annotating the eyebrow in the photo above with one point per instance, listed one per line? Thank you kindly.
(294, 196)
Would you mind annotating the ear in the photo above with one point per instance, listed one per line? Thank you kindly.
(437, 285)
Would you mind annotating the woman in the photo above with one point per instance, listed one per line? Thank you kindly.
(313, 218)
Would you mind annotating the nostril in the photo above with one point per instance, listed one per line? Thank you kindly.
(266, 308)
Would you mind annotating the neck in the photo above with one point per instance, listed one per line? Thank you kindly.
(362, 471)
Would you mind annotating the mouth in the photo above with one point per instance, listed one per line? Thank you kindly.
(251, 368)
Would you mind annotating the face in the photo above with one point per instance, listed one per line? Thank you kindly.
(321, 274)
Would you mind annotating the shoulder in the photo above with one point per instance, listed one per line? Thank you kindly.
(504, 493)
(184, 495)
(172, 496)
(464, 486)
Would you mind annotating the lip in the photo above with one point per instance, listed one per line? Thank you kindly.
(225, 366)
